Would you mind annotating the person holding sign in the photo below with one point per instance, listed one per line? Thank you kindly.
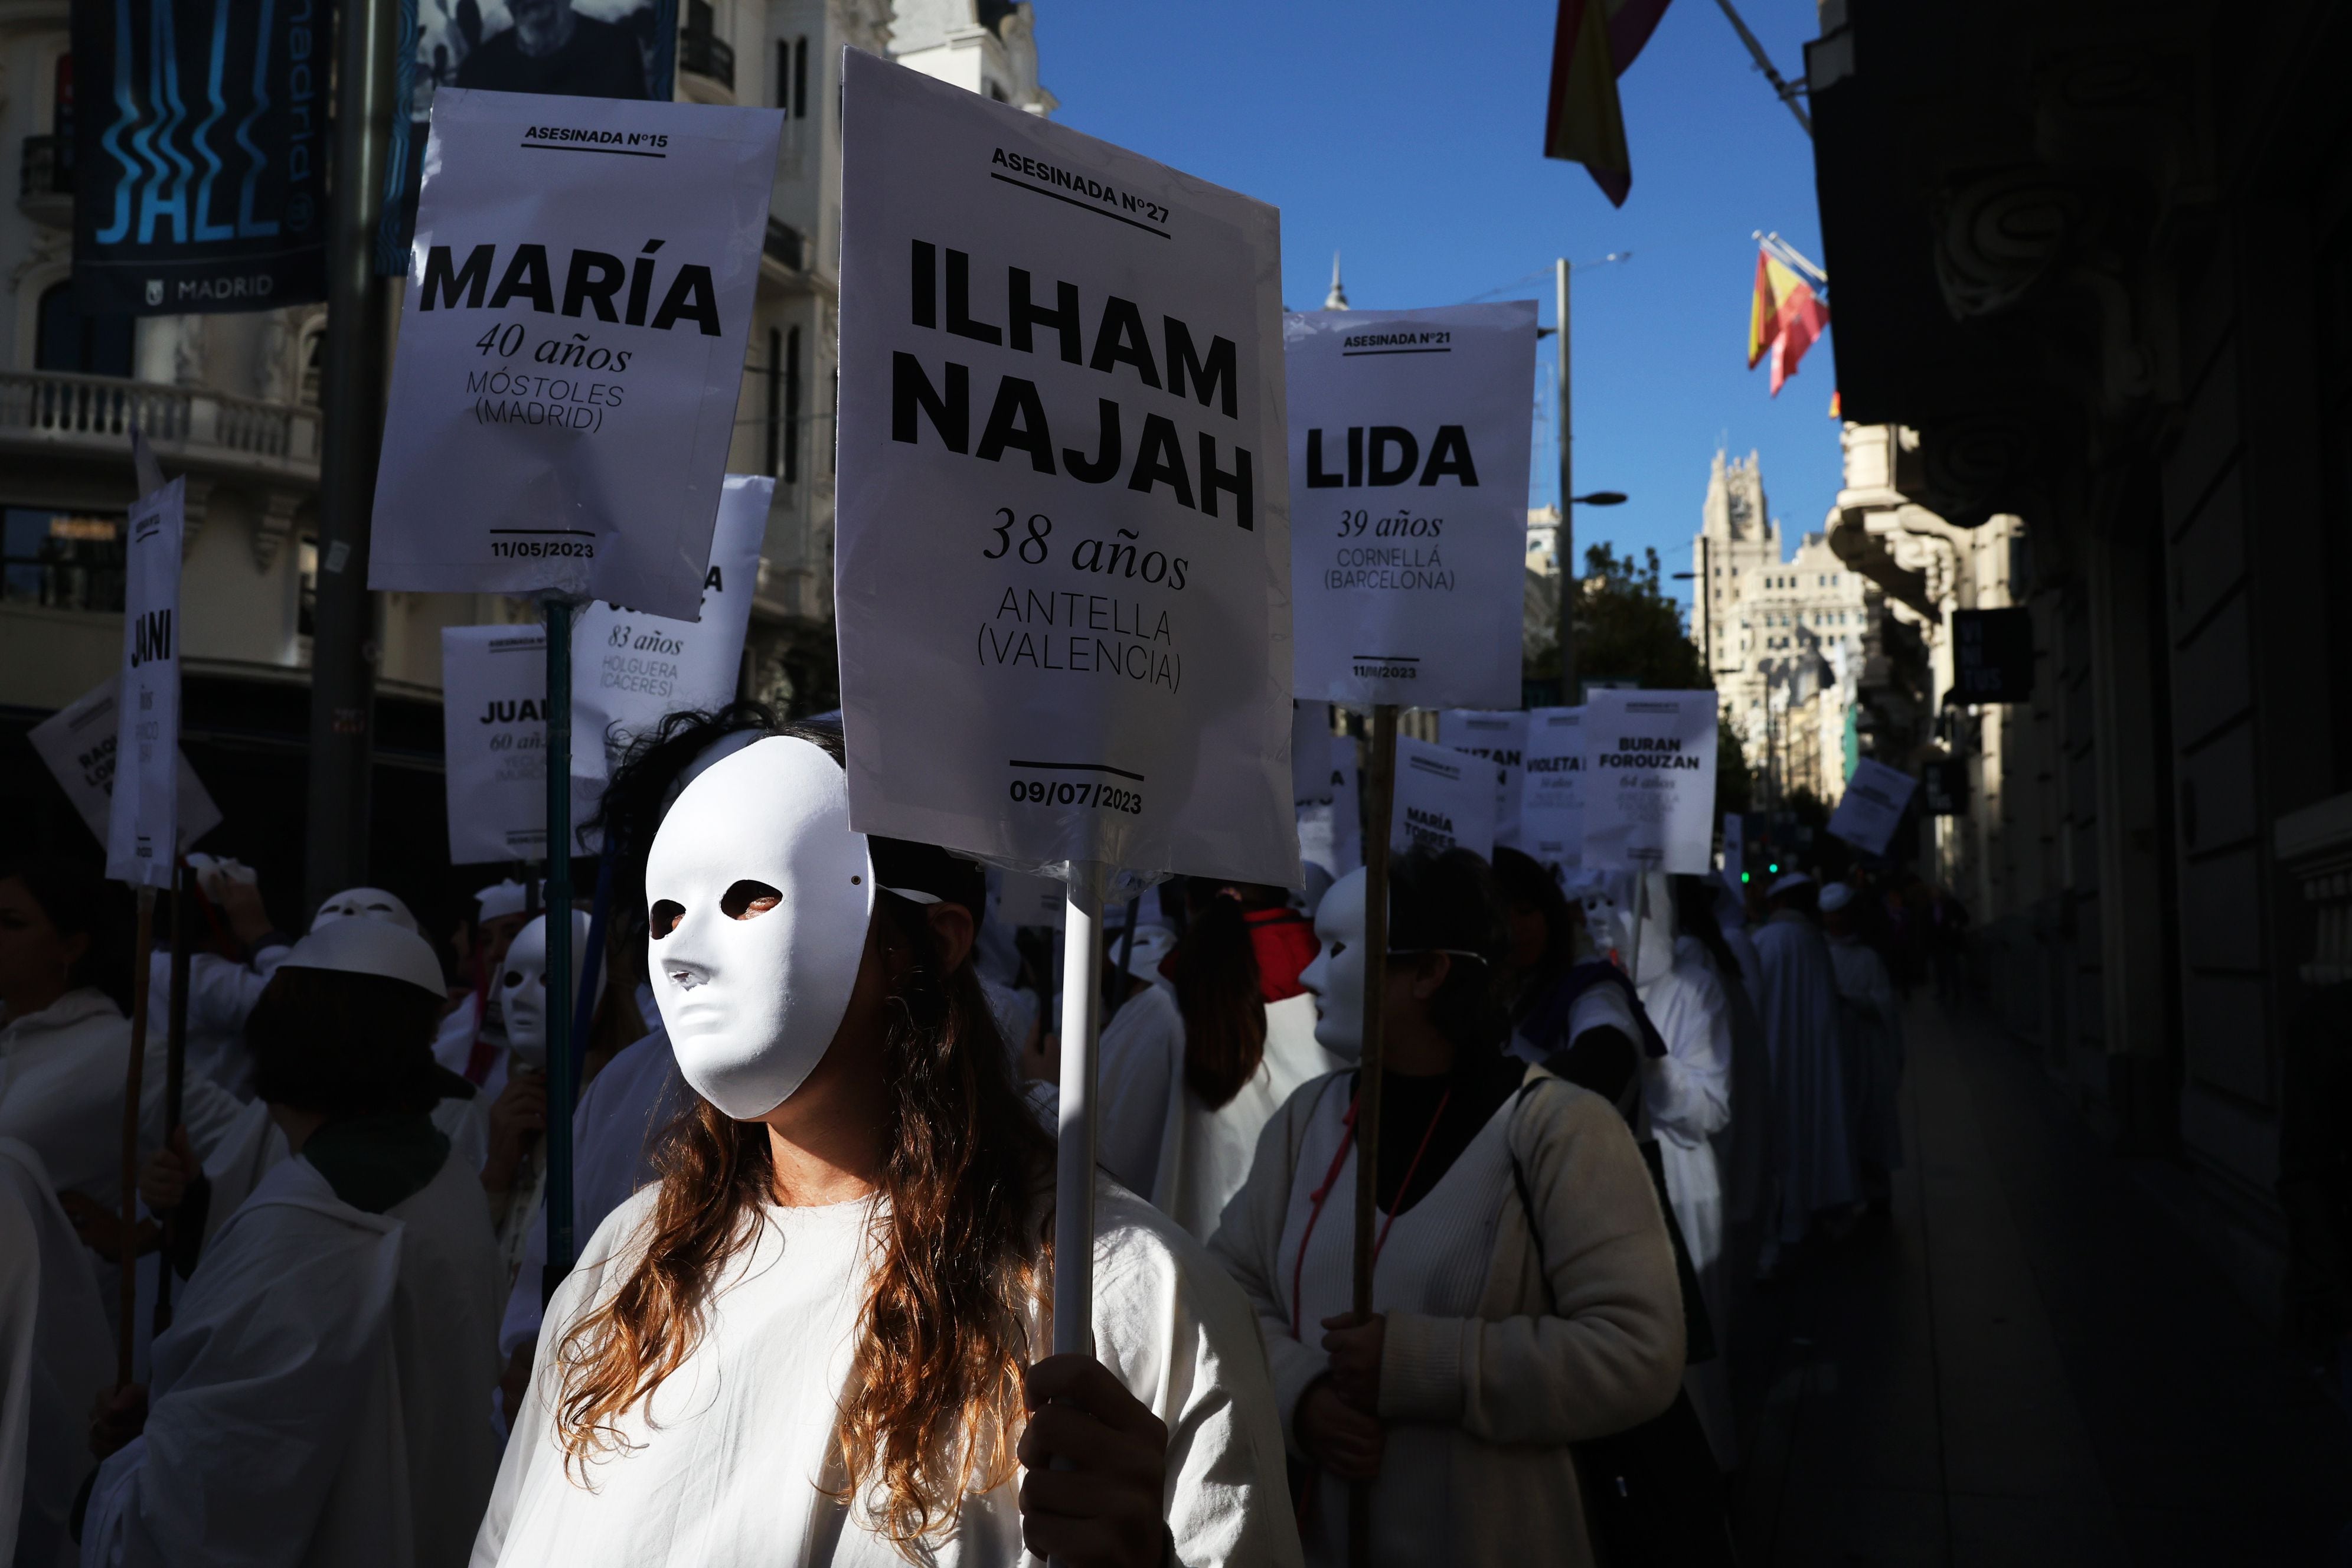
(1525, 1281)
(838, 1288)
(1812, 1141)
(323, 1392)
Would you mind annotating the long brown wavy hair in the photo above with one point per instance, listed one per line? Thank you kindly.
(934, 1406)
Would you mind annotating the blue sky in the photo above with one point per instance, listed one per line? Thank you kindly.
(1408, 137)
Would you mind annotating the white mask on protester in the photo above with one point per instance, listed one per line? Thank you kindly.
(522, 988)
(759, 898)
(364, 903)
(1337, 975)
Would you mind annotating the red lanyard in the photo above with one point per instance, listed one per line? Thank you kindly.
(1331, 1178)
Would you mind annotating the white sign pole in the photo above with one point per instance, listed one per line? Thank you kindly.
(1074, 1174)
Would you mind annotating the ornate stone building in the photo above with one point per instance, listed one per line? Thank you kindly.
(1786, 637)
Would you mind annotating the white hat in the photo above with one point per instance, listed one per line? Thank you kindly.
(500, 899)
(1836, 895)
(1788, 884)
(369, 947)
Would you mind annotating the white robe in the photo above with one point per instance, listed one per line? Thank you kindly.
(1814, 1149)
(222, 994)
(729, 1477)
(62, 1074)
(1874, 1021)
(322, 1397)
(56, 1357)
(613, 1132)
(1160, 1138)
(1688, 1092)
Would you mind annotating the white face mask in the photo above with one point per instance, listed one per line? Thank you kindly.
(1337, 975)
(522, 988)
(760, 897)
(1609, 910)
(364, 903)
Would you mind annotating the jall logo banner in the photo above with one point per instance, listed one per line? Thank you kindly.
(200, 154)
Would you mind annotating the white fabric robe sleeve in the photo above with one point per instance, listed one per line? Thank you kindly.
(261, 1385)
(1688, 1090)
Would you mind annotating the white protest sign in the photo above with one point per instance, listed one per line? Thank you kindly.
(1501, 739)
(1330, 825)
(77, 743)
(629, 669)
(494, 742)
(571, 350)
(1872, 806)
(1735, 849)
(143, 829)
(1649, 775)
(1023, 899)
(1062, 574)
(1445, 800)
(1551, 793)
(1409, 435)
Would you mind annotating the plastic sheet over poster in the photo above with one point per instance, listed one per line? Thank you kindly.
(1063, 559)
(630, 668)
(143, 814)
(1551, 793)
(1409, 439)
(1872, 806)
(1445, 800)
(572, 345)
(1649, 781)
(77, 741)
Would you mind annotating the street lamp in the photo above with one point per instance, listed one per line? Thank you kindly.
(1564, 541)
(1603, 497)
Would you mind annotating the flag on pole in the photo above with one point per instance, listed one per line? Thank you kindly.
(1592, 43)
(1785, 318)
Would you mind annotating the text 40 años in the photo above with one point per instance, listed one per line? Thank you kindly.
(1103, 556)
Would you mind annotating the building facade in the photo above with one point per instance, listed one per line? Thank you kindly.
(1787, 637)
(231, 401)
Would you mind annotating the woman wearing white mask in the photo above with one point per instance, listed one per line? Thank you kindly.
(813, 1341)
(1525, 1284)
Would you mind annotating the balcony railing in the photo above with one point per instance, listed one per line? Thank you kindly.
(707, 55)
(54, 412)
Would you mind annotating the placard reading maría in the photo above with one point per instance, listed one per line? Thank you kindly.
(1062, 574)
(1408, 435)
(572, 348)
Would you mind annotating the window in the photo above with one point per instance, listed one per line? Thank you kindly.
(314, 361)
(66, 561)
(792, 76)
(65, 340)
(306, 599)
(791, 472)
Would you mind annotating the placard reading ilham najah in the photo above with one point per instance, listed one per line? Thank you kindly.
(570, 353)
(1062, 574)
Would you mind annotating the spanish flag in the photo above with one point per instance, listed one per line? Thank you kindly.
(1785, 318)
(1592, 42)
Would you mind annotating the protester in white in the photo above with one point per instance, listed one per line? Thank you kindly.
(1873, 1043)
(222, 990)
(471, 1042)
(1526, 1290)
(1813, 1157)
(323, 1394)
(55, 1358)
(1193, 1065)
(65, 1044)
(1688, 1095)
(1706, 910)
(853, 1113)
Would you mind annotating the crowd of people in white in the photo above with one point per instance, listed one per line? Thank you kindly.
(812, 1180)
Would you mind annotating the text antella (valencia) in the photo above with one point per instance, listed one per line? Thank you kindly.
(1017, 420)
